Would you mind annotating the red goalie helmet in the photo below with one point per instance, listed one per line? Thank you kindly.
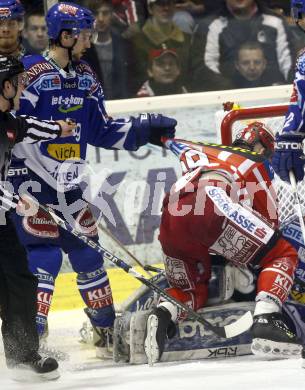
(256, 132)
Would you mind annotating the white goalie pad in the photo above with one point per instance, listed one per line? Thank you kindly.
(192, 341)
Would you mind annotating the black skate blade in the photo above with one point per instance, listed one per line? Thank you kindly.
(150, 344)
(275, 350)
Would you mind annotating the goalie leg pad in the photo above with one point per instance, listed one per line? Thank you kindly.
(121, 338)
(192, 340)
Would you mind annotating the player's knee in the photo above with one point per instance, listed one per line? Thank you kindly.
(85, 260)
(44, 259)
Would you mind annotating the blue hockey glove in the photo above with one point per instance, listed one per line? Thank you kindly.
(151, 127)
(288, 155)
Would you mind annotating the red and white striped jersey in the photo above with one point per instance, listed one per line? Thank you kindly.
(249, 173)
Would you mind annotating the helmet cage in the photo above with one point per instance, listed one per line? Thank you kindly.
(256, 132)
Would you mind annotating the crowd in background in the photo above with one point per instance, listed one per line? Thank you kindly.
(160, 47)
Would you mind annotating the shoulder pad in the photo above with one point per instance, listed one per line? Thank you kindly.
(36, 66)
(83, 67)
(32, 59)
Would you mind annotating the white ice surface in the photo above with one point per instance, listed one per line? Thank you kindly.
(83, 371)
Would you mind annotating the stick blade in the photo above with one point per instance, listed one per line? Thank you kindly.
(243, 324)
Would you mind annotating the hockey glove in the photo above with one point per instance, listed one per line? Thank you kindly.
(288, 155)
(151, 127)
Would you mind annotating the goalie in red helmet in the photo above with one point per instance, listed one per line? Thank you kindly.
(225, 205)
(256, 137)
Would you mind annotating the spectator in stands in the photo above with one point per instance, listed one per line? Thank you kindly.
(129, 16)
(35, 37)
(186, 14)
(108, 55)
(10, 35)
(164, 74)
(282, 7)
(251, 68)
(159, 30)
(218, 37)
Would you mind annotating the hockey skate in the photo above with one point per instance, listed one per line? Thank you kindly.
(159, 327)
(103, 342)
(37, 368)
(273, 338)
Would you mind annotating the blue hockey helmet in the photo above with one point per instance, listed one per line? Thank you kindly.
(64, 16)
(86, 20)
(297, 9)
(11, 9)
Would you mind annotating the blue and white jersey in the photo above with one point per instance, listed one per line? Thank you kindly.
(54, 93)
(293, 234)
(294, 120)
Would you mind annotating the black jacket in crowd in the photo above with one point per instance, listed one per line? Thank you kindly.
(218, 38)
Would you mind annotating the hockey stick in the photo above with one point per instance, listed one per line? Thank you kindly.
(297, 201)
(118, 242)
(227, 331)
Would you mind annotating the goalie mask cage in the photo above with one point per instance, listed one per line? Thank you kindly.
(233, 121)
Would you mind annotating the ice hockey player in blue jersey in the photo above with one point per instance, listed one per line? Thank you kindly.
(289, 154)
(59, 88)
(295, 306)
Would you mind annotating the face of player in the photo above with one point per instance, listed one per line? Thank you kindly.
(103, 18)
(251, 63)
(163, 10)
(9, 35)
(165, 70)
(36, 32)
(83, 44)
(261, 149)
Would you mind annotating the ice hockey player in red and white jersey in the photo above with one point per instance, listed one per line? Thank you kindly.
(225, 204)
